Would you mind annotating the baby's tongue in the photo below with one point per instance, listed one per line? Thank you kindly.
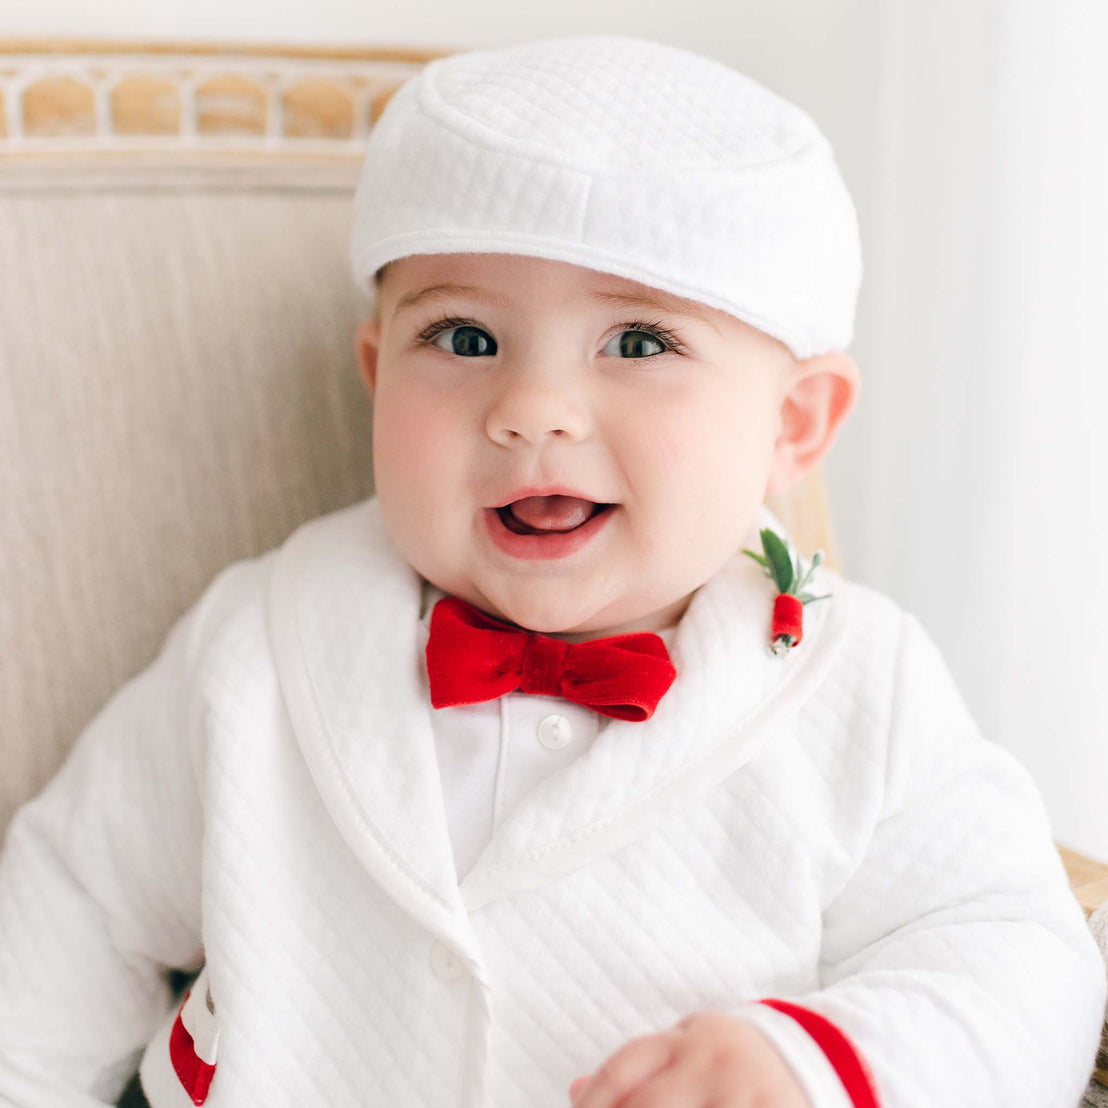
(552, 513)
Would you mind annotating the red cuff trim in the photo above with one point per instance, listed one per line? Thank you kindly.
(192, 1071)
(841, 1052)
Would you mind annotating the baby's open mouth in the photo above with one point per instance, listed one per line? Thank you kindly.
(547, 515)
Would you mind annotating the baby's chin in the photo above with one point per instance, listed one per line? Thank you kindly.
(575, 623)
(551, 619)
(536, 609)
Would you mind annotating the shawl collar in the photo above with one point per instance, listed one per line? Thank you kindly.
(344, 615)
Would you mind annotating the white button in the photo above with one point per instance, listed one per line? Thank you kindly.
(445, 962)
(555, 732)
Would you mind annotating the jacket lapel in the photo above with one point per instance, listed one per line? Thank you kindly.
(730, 694)
(344, 609)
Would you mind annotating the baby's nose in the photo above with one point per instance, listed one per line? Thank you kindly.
(531, 410)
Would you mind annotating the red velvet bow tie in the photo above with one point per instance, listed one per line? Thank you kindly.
(472, 657)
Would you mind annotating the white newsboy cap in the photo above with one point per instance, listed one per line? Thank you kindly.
(627, 156)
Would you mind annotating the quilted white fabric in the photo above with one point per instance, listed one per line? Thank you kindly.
(628, 156)
(491, 753)
(828, 828)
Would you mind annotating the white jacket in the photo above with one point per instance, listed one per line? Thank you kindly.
(827, 828)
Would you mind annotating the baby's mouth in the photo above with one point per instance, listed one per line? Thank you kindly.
(548, 515)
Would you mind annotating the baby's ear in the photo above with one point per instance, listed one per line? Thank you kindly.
(367, 341)
(819, 393)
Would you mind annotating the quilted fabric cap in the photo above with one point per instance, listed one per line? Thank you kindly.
(627, 156)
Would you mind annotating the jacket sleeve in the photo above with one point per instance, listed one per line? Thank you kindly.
(957, 967)
(100, 892)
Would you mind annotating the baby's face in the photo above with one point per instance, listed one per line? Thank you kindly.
(543, 375)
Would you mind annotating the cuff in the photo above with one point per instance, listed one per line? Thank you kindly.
(826, 1063)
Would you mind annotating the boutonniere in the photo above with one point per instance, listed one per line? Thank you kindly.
(788, 573)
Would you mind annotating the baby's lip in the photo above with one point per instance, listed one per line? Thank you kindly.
(548, 490)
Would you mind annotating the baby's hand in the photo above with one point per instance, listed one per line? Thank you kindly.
(709, 1058)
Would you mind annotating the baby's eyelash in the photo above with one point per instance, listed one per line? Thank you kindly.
(665, 336)
(429, 332)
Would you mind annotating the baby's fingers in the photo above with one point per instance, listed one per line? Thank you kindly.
(631, 1065)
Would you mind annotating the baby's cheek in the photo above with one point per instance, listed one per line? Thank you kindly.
(419, 475)
(681, 457)
(415, 442)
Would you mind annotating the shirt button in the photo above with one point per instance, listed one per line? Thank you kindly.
(555, 732)
(445, 962)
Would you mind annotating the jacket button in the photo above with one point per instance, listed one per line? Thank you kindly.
(445, 962)
(555, 732)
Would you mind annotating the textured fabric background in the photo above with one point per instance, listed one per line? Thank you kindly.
(178, 389)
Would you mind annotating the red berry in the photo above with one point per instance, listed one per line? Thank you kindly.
(788, 617)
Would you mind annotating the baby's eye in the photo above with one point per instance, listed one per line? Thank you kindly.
(466, 340)
(640, 329)
(631, 347)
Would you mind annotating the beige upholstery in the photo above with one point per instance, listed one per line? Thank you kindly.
(177, 390)
(178, 387)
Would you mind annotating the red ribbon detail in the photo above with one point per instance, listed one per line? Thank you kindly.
(192, 1071)
(841, 1052)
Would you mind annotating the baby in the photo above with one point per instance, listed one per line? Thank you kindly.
(516, 785)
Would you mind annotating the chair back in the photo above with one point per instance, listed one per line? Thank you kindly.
(178, 382)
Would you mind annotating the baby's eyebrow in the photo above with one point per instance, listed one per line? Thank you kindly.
(658, 301)
(411, 299)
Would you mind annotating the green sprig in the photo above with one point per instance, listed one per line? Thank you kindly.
(785, 570)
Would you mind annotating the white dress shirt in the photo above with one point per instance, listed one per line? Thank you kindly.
(491, 754)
